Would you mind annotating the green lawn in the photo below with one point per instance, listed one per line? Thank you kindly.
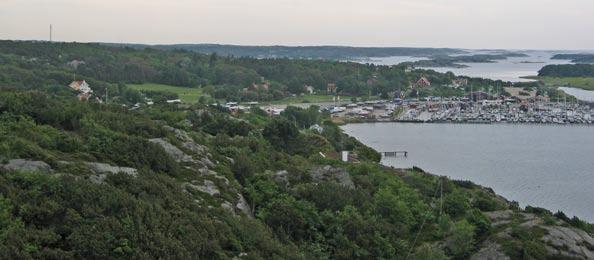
(307, 99)
(187, 95)
(583, 83)
(315, 99)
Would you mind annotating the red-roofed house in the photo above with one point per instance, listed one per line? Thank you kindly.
(83, 88)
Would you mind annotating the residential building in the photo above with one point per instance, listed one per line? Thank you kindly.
(81, 86)
(331, 88)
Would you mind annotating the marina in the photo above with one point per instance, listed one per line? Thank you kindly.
(463, 110)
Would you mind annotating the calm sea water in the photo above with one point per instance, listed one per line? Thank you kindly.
(511, 69)
(541, 165)
(585, 95)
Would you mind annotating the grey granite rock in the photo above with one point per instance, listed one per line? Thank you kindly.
(208, 187)
(27, 165)
(329, 173)
(175, 153)
(490, 251)
(569, 242)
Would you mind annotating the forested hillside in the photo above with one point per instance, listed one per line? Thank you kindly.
(576, 58)
(108, 69)
(303, 52)
(568, 70)
(85, 179)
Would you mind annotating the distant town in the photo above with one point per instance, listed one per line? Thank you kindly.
(521, 106)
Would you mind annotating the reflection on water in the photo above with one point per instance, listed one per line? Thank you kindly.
(541, 165)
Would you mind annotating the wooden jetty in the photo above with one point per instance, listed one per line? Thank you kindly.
(395, 154)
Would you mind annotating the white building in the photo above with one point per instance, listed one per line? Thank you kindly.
(83, 88)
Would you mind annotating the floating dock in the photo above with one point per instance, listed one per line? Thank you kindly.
(395, 154)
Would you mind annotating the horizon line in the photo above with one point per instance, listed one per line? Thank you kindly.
(298, 45)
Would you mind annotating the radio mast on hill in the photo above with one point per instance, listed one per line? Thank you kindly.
(50, 32)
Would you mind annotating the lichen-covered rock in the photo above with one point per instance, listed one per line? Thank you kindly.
(106, 168)
(281, 177)
(27, 166)
(207, 172)
(500, 217)
(329, 173)
(187, 141)
(560, 241)
(226, 205)
(207, 187)
(102, 170)
(569, 242)
(175, 153)
(490, 251)
(243, 206)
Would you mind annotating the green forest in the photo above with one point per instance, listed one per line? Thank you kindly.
(575, 58)
(85, 179)
(108, 69)
(304, 52)
(567, 70)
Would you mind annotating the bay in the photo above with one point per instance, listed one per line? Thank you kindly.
(581, 94)
(547, 166)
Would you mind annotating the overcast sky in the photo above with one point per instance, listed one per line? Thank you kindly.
(518, 24)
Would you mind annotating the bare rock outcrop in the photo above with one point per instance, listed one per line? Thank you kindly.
(569, 242)
(560, 240)
(331, 174)
(207, 172)
(281, 177)
(500, 217)
(188, 144)
(175, 153)
(27, 166)
(243, 206)
(102, 170)
(106, 168)
(489, 251)
(207, 187)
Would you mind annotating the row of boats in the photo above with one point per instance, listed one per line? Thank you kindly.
(550, 113)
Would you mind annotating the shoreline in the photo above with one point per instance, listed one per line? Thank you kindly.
(440, 173)
(366, 121)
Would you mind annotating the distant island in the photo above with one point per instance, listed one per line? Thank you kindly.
(575, 58)
(454, 61)
(307, 52)
(567, 70)
(531, 62)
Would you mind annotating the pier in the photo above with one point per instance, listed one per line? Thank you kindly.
(395, 154)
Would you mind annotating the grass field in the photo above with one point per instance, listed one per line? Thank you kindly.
(583, 83)
(187, 95)
(305, 99)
